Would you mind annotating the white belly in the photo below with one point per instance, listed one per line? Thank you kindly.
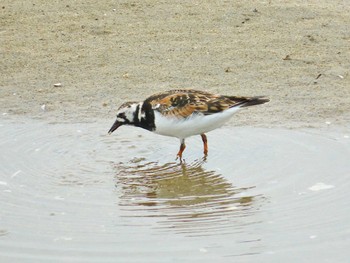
(194, 125)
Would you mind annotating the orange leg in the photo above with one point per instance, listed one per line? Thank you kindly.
(182, 148)
(205, 143)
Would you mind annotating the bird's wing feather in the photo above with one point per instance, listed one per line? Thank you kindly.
(184, 103)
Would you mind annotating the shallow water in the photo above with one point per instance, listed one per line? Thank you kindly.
(71, 193)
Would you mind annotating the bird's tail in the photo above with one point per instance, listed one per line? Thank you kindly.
(248, 101)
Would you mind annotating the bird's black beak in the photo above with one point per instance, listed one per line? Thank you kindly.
(115, 126)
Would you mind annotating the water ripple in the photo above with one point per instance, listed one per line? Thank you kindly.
(69, 192)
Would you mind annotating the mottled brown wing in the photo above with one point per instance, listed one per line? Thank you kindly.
(184, 103)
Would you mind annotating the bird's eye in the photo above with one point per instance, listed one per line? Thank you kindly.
(121, 115)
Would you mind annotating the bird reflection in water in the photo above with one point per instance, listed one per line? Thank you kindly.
(185, 197)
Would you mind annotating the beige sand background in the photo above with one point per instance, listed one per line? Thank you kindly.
(106, 52)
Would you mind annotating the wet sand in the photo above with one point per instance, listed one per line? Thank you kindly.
(106, 52)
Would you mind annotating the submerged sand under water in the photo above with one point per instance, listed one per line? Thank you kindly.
(69, 192)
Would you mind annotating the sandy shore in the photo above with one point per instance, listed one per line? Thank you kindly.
(106, 52)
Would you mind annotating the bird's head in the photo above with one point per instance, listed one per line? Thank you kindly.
(126, 115)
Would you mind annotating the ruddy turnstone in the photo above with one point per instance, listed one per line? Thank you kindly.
(182, 113)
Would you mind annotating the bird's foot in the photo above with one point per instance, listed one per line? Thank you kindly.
(179, 157)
